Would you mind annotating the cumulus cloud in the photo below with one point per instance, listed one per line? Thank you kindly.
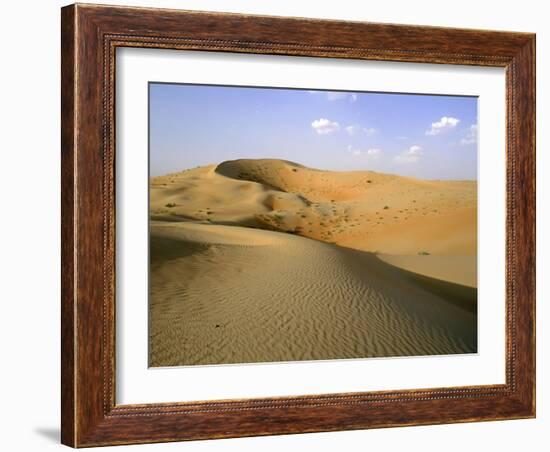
(372, 153)
(324, 126)
(471, 136)
(444, 124)
(410, 155)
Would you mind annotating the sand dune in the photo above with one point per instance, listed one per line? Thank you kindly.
(226, 294)
(455, 269)
(362, 209)
(268, 260)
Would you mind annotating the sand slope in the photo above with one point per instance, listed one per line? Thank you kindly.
(455, 269)
(229, 294)
(362, 209)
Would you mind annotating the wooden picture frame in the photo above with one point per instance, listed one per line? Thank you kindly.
(90, 36)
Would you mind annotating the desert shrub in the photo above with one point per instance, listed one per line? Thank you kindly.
(171, 204)
(423, 253)
(386, 207)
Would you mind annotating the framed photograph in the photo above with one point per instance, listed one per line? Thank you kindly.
(282, 225)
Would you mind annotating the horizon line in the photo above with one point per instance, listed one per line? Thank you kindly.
(311, 168)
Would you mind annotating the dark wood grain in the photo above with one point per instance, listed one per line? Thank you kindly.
(67, 224)
(90, 36)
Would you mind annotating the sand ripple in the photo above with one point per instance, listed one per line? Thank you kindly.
(227, 294)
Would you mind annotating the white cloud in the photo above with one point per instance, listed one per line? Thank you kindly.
(372, 153)
(336, 95)
(325, 126)
(353, 150)
(410, 155)
(352, 130)
(471, 136)
(370, 130)
(445, 123)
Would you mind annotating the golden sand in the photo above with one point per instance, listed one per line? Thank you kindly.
(267, 260)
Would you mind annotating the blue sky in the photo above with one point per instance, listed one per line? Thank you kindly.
(425, 136)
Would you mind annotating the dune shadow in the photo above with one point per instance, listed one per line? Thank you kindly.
(461, 296)
(166, 248)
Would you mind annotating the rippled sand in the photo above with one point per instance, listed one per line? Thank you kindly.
(268, 260)
(228, 294)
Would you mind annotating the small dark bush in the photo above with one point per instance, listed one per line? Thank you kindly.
(171, 204)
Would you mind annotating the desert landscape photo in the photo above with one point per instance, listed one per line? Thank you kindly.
(289, 225)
